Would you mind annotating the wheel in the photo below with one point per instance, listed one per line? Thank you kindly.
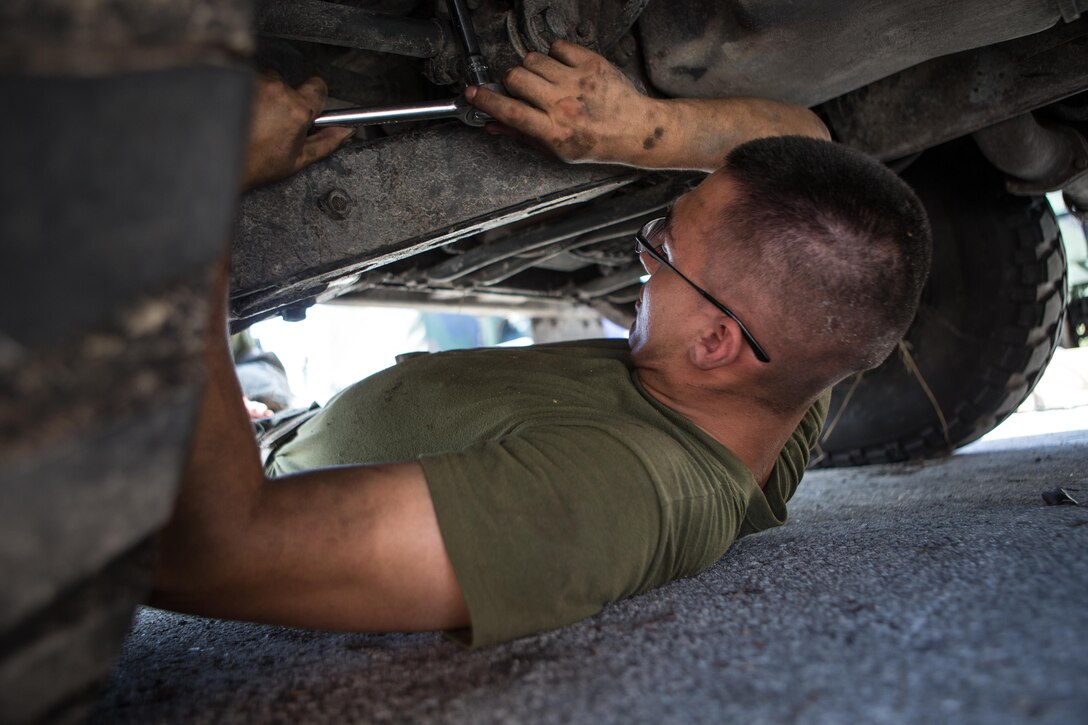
(112, 219)
(989, 321)
(55, 661)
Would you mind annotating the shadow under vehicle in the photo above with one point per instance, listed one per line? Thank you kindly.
(125, 129)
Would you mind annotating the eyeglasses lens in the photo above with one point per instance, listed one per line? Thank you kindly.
(648, 244)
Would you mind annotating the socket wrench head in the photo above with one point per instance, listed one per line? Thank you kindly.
(476, 117)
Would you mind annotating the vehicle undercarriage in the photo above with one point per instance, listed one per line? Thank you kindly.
(119, 194)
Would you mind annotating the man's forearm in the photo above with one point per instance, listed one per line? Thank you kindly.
(223, 475)
(579, 106)
(698, 134)
(354, 547)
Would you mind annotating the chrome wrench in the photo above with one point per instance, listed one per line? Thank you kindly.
(459, 108)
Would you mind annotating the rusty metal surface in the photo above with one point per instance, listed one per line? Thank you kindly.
(91, 37)
(809, 52)
(556, 266)
(949, 97)
(535, 240)
(333, 24)
(376, 202)
(594, 23)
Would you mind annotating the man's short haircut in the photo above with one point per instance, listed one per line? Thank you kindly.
(840, 242)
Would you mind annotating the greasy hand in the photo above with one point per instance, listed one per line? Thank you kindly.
(573, 102)
(281, 116)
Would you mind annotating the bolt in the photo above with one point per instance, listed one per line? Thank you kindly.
(296, 312)
(556, 21)
(585, 30)
(337, 204)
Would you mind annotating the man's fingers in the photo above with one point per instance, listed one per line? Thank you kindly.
(547, 67)
(530, 87)
(314, 91)
(570, 53)
(321, 144)
(510, 111)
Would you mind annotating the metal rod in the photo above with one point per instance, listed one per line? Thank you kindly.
(452, 108)
(332, 24)
(462, 25)
(1024, 148)
(478, 72)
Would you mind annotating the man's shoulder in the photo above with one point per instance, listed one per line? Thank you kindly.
(590, 345)
(552, 353)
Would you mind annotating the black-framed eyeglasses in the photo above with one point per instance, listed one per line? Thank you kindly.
(644, 244)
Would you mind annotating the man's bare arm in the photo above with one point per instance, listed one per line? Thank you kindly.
(579, 106)
(354, 548)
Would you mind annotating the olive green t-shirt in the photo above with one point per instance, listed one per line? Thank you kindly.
(560, 485)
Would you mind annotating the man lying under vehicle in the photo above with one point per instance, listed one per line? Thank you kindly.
(497, 493)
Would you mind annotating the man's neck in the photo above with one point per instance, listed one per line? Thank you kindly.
(744, 425)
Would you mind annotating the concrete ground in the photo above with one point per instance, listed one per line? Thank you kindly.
(944, 592)
(937, 592)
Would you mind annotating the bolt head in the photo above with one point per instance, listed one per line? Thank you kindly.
(336, 204)
(295, 313)
(556, 21)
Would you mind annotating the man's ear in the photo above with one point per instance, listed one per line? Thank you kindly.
(719, 344)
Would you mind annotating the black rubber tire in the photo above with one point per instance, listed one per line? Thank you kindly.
(989, 321)
(54, 663)
(111, 223)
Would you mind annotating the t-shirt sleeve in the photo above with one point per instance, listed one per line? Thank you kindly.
(795, 454)
(770, 509)
(544, 527)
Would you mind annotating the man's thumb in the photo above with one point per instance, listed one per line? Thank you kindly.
(323, 143)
